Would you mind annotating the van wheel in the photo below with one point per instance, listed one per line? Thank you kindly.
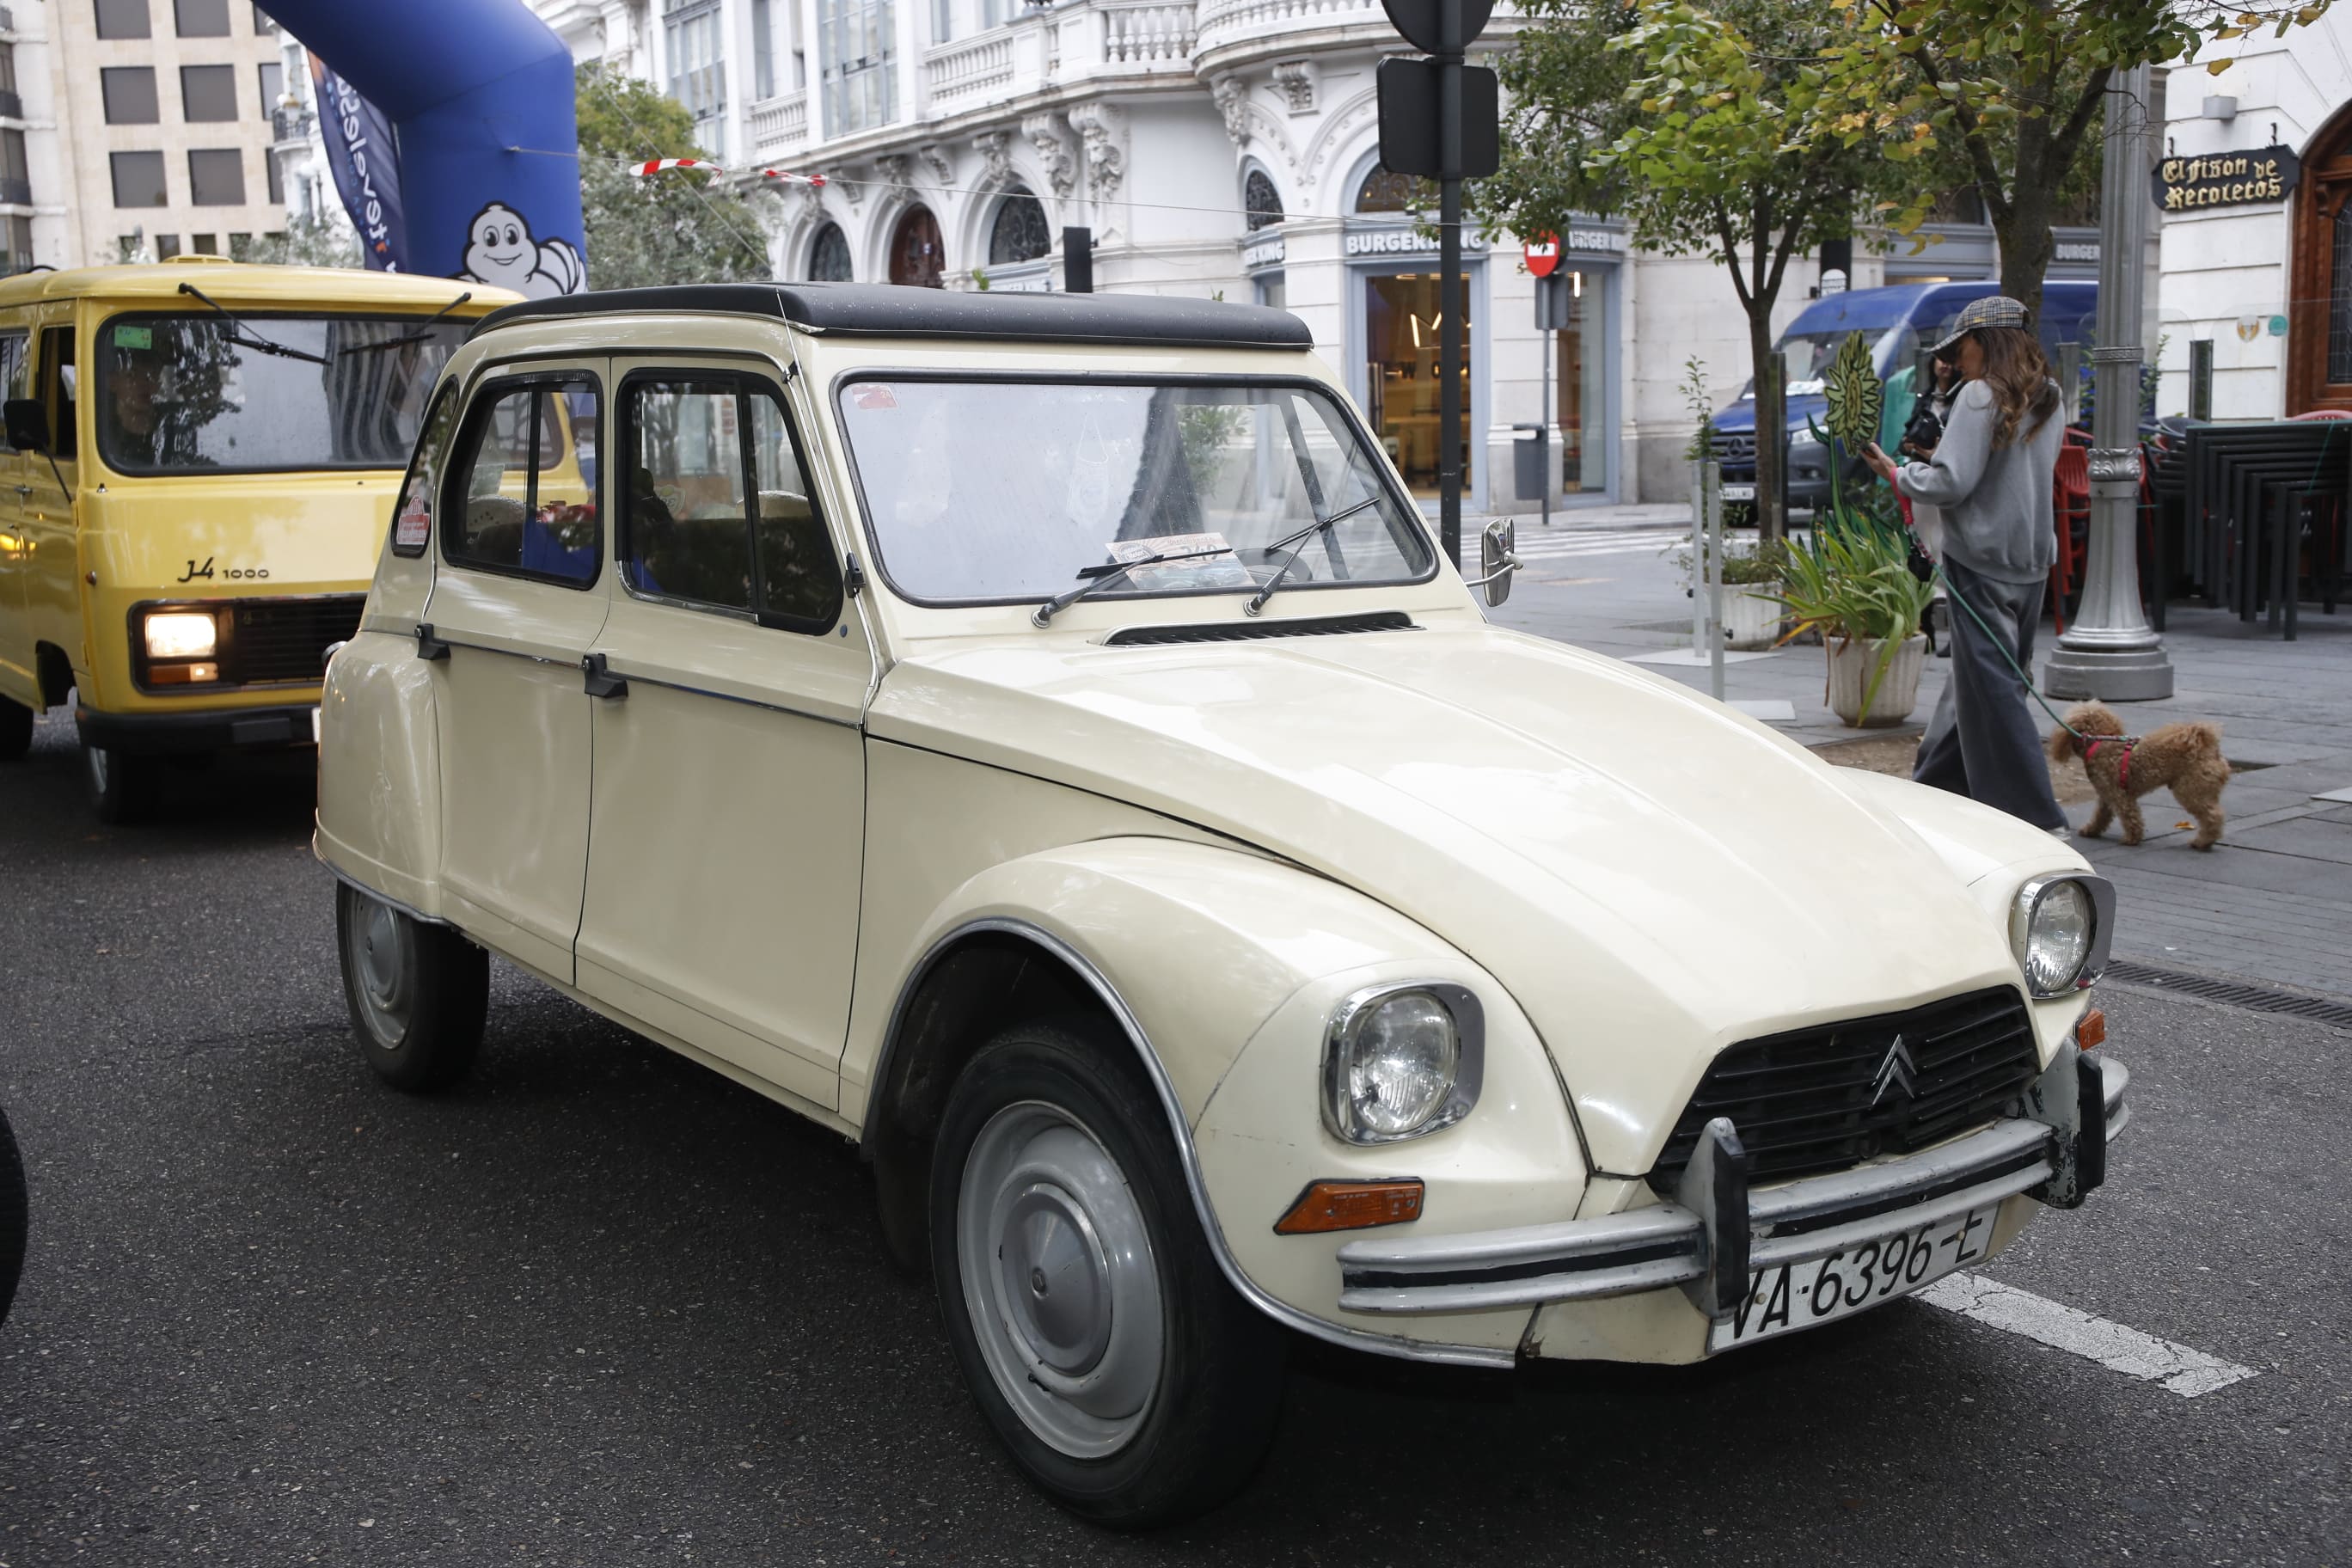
(15, 730)
(1092, 1324)
(122, 787)
(13, 1223)
(418, 993)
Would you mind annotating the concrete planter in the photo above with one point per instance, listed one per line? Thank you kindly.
(1750, 619)
(1851, 664)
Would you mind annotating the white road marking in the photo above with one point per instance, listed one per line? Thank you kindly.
(1534, 544)
(2185, 1372)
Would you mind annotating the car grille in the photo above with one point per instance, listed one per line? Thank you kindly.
(1735, 448)
(1828, 1097)
(286, 639)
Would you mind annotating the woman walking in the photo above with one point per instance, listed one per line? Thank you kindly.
(1990, 480)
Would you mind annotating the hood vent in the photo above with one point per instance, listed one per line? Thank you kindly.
(1251, 631)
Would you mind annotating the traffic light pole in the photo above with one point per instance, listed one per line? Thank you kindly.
(1449, 266)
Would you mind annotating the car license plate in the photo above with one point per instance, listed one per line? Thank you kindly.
(1739, 493)
(1799, 1295)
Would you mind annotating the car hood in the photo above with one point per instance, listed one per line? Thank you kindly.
(1653, 876)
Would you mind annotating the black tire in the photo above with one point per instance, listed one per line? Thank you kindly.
(14, 1218)
(1214, 1385)
(418, 994)
(122, 786)
(15, 730)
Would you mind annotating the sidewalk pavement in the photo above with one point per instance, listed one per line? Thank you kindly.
(2272, 903)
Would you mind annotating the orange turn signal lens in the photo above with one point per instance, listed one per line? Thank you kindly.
(2092, 1032)
(1350, 1205)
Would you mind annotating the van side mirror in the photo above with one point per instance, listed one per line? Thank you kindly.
(1497, 559)
(27, 424)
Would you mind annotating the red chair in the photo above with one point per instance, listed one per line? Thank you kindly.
(2071, 506)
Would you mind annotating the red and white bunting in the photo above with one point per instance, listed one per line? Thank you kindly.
(658, 164)
(792, 179)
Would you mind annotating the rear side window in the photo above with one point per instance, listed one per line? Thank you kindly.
(516, 501)
(716, 508)
(412, 514)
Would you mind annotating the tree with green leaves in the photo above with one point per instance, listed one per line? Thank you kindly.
(2012, 93)
(674, 227)
(1713, 128)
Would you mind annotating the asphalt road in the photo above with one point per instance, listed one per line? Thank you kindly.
(602, 1307)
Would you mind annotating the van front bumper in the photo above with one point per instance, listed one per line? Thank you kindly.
(1716, 1232)
(181, 734)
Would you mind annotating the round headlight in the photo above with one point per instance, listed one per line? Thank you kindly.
(2056, 926)
(1394, 1067)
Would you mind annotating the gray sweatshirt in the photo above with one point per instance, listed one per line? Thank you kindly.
(1996, 505)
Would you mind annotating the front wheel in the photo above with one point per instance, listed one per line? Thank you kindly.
(418, 993)
(1089, 1316)
(121, 786)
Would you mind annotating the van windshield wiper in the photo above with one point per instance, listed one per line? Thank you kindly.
(1101, 577)
(424, 331)
(1298, 542)
(238, 333)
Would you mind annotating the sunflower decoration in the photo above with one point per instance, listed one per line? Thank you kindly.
(1856, 396)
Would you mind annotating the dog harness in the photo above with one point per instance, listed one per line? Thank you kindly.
(2123, 765)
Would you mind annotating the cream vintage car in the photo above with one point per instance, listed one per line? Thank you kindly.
(1038, 738)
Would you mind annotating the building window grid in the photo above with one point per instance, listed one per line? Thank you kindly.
(697, 71)
(200, 18)
(124, 20)
(763, 49)
(857, 63)
(208, 94)
(128, 95)
(217, 177)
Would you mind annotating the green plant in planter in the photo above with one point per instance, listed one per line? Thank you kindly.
(1746, 569)
(1854, 584)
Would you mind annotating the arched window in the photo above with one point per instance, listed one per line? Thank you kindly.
(1260, 201)
(1386, 192)
(2319, 323)
(1019, 231)
(917, 257)
(829, 255)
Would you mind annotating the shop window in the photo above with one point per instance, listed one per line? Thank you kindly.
(138, 179)
(128, 93)
(527, 511)
(1261, 203)
(208, 93)
(123, 19)
(829, 255)
(1272, 288)
(1018, 233)
(217, 177)
(201, 19)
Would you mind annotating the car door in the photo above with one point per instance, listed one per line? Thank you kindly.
(517, 602)
(724, 844)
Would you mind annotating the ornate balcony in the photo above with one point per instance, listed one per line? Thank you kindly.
(778, 124)
(968, 71)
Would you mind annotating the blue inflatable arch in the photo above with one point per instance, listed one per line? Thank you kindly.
(479, 94)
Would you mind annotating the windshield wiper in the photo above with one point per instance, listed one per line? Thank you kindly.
(418, 336)
(238, 333)
(1296, 543)
(1099, 577)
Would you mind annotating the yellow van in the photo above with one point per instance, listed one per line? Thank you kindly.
(195, 476)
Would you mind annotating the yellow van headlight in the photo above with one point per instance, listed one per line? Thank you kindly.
(181, 633)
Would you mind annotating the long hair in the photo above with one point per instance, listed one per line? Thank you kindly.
(2019, 374)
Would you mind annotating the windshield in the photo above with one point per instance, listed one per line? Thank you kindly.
(198, 393)
(997, 492)
(1809, 354)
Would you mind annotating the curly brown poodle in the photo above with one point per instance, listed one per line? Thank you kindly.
(2187, 757)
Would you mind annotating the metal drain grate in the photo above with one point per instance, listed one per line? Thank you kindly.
(2232, 993)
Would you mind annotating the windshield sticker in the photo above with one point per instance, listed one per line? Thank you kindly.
(873, 395)
(1213, 563)
(416, 525)
(135, 337)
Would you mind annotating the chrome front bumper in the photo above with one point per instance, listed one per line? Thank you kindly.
(1718, 1233)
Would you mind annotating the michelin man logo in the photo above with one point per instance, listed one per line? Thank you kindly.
(500, 249)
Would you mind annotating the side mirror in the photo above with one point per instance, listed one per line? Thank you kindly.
(27, 424)
(1497, 559)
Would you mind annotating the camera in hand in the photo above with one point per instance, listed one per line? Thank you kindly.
(1922, 435)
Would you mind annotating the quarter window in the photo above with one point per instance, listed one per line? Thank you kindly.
(412, 514)
(524, 507)
(718, 509)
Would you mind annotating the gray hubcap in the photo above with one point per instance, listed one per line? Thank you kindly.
(377, 954)
(1058, 1277)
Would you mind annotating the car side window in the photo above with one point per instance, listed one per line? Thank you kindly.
(716, 508)
(412, 513)
(518, 502)
(12, 346)
(58, 385)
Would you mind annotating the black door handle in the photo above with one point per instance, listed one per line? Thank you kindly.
(600, 681)
(428, 647)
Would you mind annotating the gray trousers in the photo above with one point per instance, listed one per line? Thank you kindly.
(1983, 741)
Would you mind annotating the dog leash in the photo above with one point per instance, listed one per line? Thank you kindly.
(2089, 742)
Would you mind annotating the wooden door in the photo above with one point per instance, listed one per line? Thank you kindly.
(2319, 304)
(916, 256)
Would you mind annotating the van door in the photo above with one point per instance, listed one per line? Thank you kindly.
(516, 604)
(724, 848)
(19, 671)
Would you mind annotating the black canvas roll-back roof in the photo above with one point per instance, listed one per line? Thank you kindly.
(892, 310)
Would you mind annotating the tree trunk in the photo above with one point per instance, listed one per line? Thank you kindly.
(2026, 242)
(1771, 421)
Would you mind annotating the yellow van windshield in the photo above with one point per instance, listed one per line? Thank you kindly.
(263, 393)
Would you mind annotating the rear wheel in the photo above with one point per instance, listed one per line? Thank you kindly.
(122, 786)
(1093, 1324)
(418, 993)
(13, 1219)
(15, 730)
